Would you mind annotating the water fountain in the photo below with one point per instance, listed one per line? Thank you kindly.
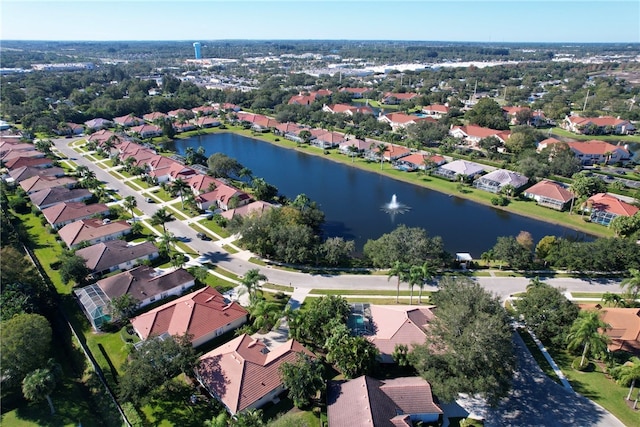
(394, 207)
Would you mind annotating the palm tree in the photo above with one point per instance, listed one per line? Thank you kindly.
(251, 280)
(610, 298)
(628, 374)
(168, 240)
(265, 315)
(39, 384)
(632, 284)
(414, 277)
(130, 204)
(427, 272)
(382, 147)
(585, 333)
(245, 173)
(81, 170)
(180, 186)
(353, 150)
(161, 217)
(534, 283)
(399, 269)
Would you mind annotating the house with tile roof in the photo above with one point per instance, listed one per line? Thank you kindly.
(436, 111)
(38, 182)
(92, 231)
(201, 183)
(402, 120)
(393, 325)
(10, 154)
(253, 208)
(592, 152)
(156, 116)
(368, 402)
(328, 140)
(26, 172)
(205, 110)
(347, 109)
(20, 161)
(143, 283)
(51, 196)
(146, 131)
(181, 112)
(203, 314)
(65, 213)
(206, 122)
(98, 123)
(394, 98)
(598, 125)
(537, 117)
(394, 152)
(360, 145)
(128, 121)
(458, 168)
(244, 373)
(605, 207)
(420, 161)
(550, 194)
(498, 179)
(113, 255)
(99, 137)
(165, 169)
(473, 134)
(624, 330)
(221, 197)
(307, 99)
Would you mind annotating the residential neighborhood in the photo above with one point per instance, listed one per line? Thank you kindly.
(192, 282)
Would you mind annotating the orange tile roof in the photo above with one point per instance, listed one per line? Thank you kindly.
(395, 325)
(608, 203)
(199, 313)
(244, 370)
(624, 325)
(90, 230)
(551, 190)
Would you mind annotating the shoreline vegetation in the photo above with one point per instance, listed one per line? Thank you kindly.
(526, 208)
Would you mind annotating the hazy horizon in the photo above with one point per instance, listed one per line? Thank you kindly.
(453, 21)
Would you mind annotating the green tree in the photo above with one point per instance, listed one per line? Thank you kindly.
(39, 385)
(262, 190)
(304, 378)
(247, 418)
(401, 271)
(513, 253)
(468, 347)
(401, 355)
(585, 333)
(547, 312)
(381, 148)
(155, 364)
(631, 284)
(265, 314)
(123, 307)
(222, 166)
(251, 280)
(587, 186)
(353, 356)
(73, 267)
(611, 299)
(167, 240)
(310, 325)
(336, 250)
(628, 374)
(409, 245)
(161, 217)
(179, 186)
(487, 113)
(25, 343)
(130, 203)
(427, 274)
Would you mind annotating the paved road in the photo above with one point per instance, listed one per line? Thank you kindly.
(238, 263)
(536, 400)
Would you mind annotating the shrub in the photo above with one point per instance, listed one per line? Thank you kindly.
(577, 366)
(499, 201)
(279, 295)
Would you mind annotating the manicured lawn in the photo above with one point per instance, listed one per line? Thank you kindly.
(141, 183)
(278, 287)
(614, 139)
(214, 227)
(176, 212)
(403, 292)
(597, 386)
(587, 295)
(162, 195)
(230, 249)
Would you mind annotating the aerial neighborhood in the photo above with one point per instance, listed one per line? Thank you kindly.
(188, 289)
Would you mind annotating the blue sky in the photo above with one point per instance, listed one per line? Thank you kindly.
(429, 20)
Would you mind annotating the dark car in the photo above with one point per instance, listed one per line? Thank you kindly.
(202, 236)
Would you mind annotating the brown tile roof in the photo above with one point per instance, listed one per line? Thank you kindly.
(365, 401)
(199, 313)
(27, 161)
(243, 370)
(105, 255)
(154, 116)
(38, 182)
(71, 211)
(25, 172)
(256, 207)
(625, 327)
(143, 282)
(51, 196)
(551, 190)
(91, 230)
(13, 154)
(482, 132)
(608, 203)
(393, 325)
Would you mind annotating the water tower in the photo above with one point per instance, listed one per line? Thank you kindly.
(197, 47)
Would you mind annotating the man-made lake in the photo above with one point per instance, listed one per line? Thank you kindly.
(352, 199)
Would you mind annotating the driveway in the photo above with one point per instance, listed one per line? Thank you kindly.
(536, 400)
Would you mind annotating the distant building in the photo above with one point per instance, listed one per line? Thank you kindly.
(197, 47)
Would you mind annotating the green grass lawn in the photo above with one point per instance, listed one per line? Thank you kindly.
(597, 386)
(141, 183)
(609, 138)
(214, 228)
(161, 194)
(230, 249)
(403, 292)
(176, 212)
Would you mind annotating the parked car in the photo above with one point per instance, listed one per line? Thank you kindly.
(149, 200)
(202, 236)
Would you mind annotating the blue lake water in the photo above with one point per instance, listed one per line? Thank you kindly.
(352, 199)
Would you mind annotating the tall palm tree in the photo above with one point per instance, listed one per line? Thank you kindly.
(585, 333)
(632, 283)
(534, 283)
(382, 147)
(428, 272)
(81, 170)
(265, 314)
(40, 384)
(167, 240)
(414, 277)
(353, 150)
(609, 298)
(399, 269)
(161, 217)
(130, 204)
(629, 373)
(180, 186)
(251, 280)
